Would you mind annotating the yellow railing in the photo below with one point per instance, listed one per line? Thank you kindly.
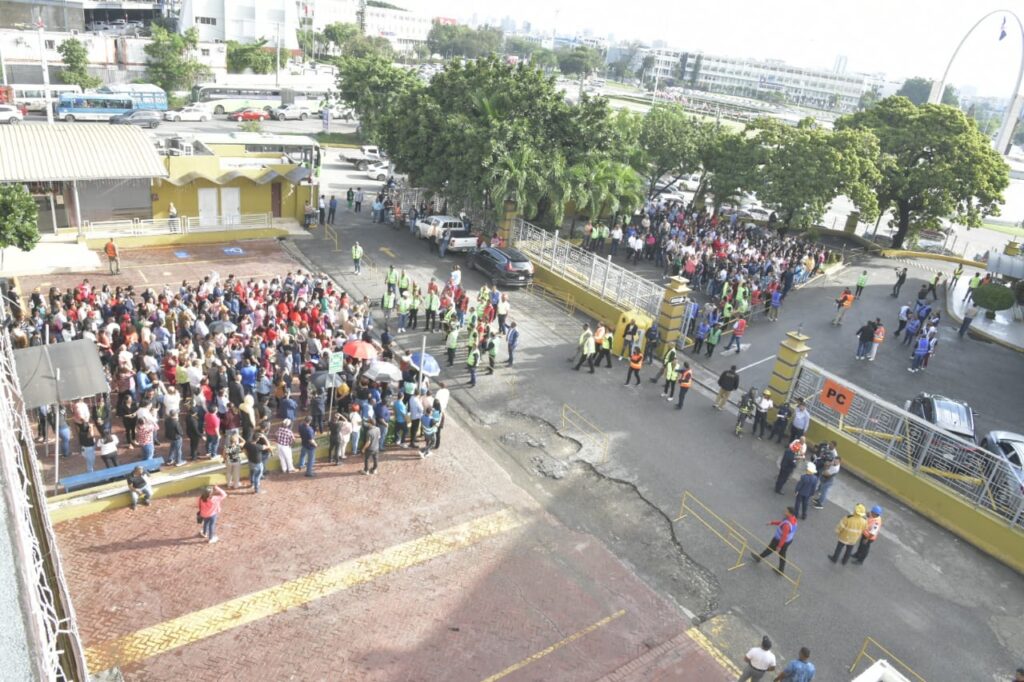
(562, 299)
(599, 438)
(737, 538)
(872, 645)
(332, 234)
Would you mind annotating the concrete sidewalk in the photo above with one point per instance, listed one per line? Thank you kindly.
(1003, 330)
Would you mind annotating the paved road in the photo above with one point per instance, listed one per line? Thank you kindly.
(921, 589)
(222, 125)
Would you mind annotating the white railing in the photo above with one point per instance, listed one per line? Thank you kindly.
(599, 275)
(180, 225)
(56, 652)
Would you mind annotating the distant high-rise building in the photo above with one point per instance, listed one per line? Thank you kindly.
(526, 27)
(840, 65)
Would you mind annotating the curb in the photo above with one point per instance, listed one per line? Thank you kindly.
(975, 331)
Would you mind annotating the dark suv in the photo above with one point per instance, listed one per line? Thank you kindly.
(139, 117)
(507, 267)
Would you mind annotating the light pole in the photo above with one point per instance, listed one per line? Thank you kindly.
(46, 71)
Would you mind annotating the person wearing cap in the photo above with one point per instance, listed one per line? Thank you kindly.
(759, 660)
(761, 406)
(870, 534)
(848, 532)
(805, 487)
(785, 531)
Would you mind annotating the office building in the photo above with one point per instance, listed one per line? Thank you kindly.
(245, 21)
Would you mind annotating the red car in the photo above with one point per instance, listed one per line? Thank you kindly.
(248, 115)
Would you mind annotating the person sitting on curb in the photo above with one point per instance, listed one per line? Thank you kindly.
(138, 486)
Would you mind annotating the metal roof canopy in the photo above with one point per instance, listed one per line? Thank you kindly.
(1007, 266)
(81, 374)
(77, 152)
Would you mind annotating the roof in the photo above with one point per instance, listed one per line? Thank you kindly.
(77, 151)
(81, 374)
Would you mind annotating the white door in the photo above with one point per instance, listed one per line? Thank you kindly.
(231, 205)
(208, 207)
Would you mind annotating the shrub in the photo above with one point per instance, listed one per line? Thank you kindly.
(993, 297)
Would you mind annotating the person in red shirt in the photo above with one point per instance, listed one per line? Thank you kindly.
(209, 508)
(211, 429)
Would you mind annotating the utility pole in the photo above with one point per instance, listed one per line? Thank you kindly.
(46, 70)
(277, 71)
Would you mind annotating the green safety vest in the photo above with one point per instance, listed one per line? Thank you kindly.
(607, 342)
(862, 280)
(714, 335)
(471, 320)
(492, 348)
(433, 302)
(453, 339)
(403, 305)
(473, 357)
(403, 282)
(671, 372)
(416, 302)
(389, 300)
(727, 310)
(392, 277)
(473, 338)
(357, 252)
(670, 356)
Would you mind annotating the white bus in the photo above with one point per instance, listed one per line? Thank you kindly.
(223, 99)
(34, 96)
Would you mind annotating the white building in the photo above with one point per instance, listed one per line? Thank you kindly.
(404, 30)
(245, 21)
(113, 59)
(321, 13)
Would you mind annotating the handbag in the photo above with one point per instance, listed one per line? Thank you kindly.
(199, 518)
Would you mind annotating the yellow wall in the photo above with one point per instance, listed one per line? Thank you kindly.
(591, 303)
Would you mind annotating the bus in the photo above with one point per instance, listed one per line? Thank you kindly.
(145, 95)
(92, 106)
(223, 99)
(33, 96)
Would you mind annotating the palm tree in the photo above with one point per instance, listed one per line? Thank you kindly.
(518, 176)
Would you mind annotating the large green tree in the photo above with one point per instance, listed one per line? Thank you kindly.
(250, 57)
(917, 90)
(806, 167)
(18, 218)
(76, 62)
(730, 161)
(371, 85)
(671, 140)
(935, 165)
(171, 59)
(624, 65)
(456, 40)
(521, 47)
(579, 61)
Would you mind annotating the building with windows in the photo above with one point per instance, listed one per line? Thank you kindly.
(404, 30)
(245, 21)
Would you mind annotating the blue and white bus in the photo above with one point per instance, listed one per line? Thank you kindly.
(145, 95)
(92, 106)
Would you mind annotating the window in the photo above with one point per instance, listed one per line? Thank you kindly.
(209, 21)
(50, 44)
(205, 52)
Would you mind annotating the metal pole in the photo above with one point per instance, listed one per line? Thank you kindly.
(46, 74)
(3, 69)
(56, 446)
(277, 71)
(419, 375)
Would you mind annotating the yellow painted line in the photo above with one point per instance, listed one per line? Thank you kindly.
(556, 646)
(205, 623)
(707, 645)
(387, 251)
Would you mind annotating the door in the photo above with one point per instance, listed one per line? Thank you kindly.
(231, 205)
(275, 199)
(208, 206)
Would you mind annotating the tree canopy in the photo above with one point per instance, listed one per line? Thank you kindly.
(18, 218)
(171, 61)
(579, 60)
(917, 90)
(935, 164)
(249, 57)
(456, 40)
(371, 85)
(76, 62)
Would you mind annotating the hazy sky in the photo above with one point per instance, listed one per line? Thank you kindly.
(899, 37)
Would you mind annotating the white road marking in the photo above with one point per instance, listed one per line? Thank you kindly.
(755, 364)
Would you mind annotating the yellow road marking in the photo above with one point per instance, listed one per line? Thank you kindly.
(556, 646)
(388, 251)
(199, 625)
(707, 645)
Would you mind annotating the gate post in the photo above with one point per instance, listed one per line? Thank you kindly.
(508, 216)
(792, 350)
(671, 312)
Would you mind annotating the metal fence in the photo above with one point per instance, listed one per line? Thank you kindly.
(584, 268)
(181, 225)
(982, 478)
(56, 652)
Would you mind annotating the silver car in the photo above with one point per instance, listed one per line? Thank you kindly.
(1007, 474)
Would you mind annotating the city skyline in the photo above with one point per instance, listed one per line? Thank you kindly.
(902, 40)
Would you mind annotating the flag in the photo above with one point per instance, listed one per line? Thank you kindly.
(1002, 29)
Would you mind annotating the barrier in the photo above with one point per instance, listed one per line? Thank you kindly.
(870, 641)
(175, 226)
(564, 300)
(599, 438)
(332, 234)
(738, 539)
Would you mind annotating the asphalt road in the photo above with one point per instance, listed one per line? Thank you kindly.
(922, 588)
(221, 124)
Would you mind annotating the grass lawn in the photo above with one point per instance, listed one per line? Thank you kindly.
(1005, 229)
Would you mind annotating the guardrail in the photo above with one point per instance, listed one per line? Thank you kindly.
(598, 275)
(332, 234)
(181, 225)
(599, 438)
(565, 301)
(888, 656)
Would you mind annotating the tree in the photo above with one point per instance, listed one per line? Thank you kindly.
(341, 34)
(868, 98)
(579, 60)
(992, 298)
(521, 47)
(918, 89)
(76, 62)
(171, 62)
(249, 58)
(465, 41)
(935, 164)
(18, 218)
(730, 161)
(544, 59)
(370, 85)
(646, 64)
(624, 65)
(806, 167)
(671, 140)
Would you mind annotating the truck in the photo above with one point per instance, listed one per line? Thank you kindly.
(362, 158)
(435, 227)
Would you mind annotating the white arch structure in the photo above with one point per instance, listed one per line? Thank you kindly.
(1002, 141)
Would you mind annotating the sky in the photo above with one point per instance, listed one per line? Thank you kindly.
(901, 38)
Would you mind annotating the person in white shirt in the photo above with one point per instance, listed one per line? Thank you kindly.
(759, 661)
(456, 276)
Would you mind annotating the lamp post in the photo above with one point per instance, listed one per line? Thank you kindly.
(46, 70)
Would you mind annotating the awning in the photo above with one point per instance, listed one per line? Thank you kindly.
(1007, 266)
(260, 176)
(81, 374)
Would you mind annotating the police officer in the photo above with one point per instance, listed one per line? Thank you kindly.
(685, 381)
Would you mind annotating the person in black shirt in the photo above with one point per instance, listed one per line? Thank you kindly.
(256, 451)
(138, 486)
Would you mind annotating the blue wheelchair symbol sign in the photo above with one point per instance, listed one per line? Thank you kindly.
(233, 251)
(181, 254)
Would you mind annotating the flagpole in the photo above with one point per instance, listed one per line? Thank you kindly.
(419, 377)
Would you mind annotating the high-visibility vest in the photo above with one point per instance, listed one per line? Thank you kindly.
(392, 277)
(845, 300)
(403, 282)
(686, 378)
(671, 372)
(670, 356)
(473, 357)
(879, 334)
(873, 526)
(740, 328)
(110, 249)
(636, 360)
(608, 339)
(453, 339)
(357, 252)
(403, 305)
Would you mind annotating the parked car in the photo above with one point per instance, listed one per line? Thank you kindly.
(1007, 476)
(379, 171)
(432, 226)
(506, 267)
(147, 118)
(292, 112)
(949, 414)
(250, 114)
(956, 454)
(189, 113)
(11, 114)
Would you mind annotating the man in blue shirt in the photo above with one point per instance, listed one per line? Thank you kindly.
(801, 670)
(307, 451)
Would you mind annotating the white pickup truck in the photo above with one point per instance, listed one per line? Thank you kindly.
(459, 238)
(364, 156)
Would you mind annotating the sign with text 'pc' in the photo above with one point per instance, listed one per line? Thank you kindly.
(836, 396)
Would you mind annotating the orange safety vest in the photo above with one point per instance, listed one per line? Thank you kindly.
(636, 360)
(599, 336)
(873, 526)
(686, 378)
(880, 334)
(846, 300)
(110, 249)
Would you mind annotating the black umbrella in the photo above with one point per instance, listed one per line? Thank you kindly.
(324, 380)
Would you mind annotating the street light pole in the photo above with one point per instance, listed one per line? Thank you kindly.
(46, 72)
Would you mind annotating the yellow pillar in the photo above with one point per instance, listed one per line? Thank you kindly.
(508, 215)
(792, 350)
(671, 312)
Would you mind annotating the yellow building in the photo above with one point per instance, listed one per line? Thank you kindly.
(220, 178)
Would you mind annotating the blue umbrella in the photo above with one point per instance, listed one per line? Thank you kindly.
(425, 363)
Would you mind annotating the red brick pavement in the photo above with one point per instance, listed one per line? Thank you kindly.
(462, 616)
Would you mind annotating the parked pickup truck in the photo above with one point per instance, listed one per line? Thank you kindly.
(364, 156)
(459, 238)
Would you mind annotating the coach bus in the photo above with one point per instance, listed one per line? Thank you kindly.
(34, 98)
(92, 106)
(144, 95)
